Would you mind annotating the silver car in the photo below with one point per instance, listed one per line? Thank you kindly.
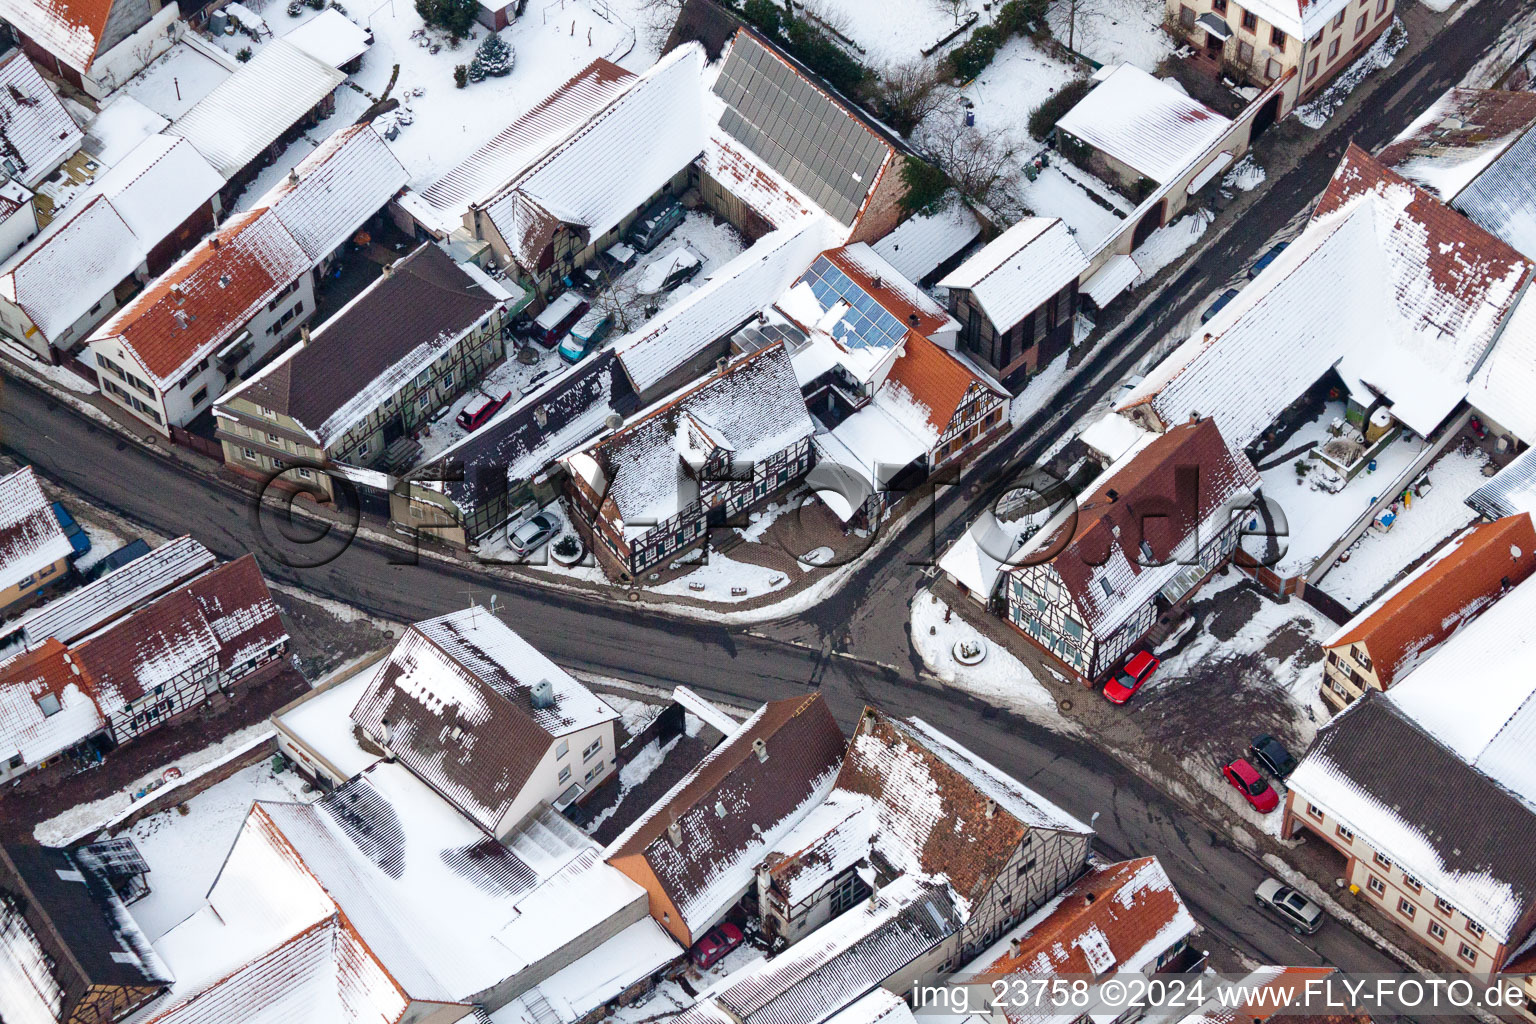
(1304, 916)
(533, 533)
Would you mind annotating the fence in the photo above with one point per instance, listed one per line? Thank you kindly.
(202, 445)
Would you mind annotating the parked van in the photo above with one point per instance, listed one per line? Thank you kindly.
(588, 333)
(655, 223)
(480, 408)
(676, 267)
(558, 317)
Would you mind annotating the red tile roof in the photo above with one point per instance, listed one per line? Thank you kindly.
(69, 29)
(209, 294)
(899, 296)
(934, 377)
(1447, 592)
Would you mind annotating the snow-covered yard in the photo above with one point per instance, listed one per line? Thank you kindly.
(1019, 79)
(720, 577)
(1062, 190)
(893, 31)
(1116, 31)
(185, 851)
(1377, 558)
(1316, 517)
(999, 678)
(1169, 242)
(176, 82)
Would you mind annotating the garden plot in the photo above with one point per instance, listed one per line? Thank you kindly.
(1069, 192)
(894, 31)
(1019, 79)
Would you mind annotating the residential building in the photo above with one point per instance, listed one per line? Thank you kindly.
(1118, 918)
(910, 805)
(696, 850)
(245, 290)
(1430, 849)
(651, 490)
(34, 552)
(1016, 299)
(47, 711)
(414, 340)
(486, 720)
(40, 133)
(69, 950)
(1387, 287)
(1137, 132)
(94, 45)
(134, 222)
(1393, 635)
(1261, 42)
(1096, 578)
(175, 653)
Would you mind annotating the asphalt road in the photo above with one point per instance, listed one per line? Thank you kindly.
(867, 617)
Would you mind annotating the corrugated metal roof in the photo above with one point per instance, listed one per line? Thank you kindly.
(1512, 491)
(803, 133)
(1503, 198)
(81, 612)
(252, 108)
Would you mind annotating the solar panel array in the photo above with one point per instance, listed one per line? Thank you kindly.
(799, 130)
(867, 324)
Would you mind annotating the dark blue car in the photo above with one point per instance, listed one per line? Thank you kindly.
(1266, 260)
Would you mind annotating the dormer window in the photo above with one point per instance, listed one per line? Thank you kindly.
(1104, 585)
(48, 704)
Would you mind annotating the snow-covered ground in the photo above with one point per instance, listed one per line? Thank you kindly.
(174, 83)
(892, 31)
(634, 714)
(1042, 387)
(185, 851)
(1019, 79)
(1246, 175)
(1169, 242)
(82, 819)
(1000, 678)
(1376, 559)
(1315, 517)
(720, 576)
(1062, 190)
(1116, 31)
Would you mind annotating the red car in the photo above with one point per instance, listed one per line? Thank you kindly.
(474, 415)
(1247, 780)
(1130, 678)
(716, 942)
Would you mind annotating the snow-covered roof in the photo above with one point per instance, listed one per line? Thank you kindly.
(1145, 123)
(1453, 828)
(399, 325)
(1470, 711)
(880, 1006)
(458, 694)
(1502, 387)
(734, 294)
(1404, 625)
(82, 611)
(70, 265)
(205, 298)
(752, 409)
(1117, 918)
(255, 106)
(121, 125)
(158, 185)
(1503, 198)
(337, 188)
(875, 305)
(25, 728)
(612, 164)
(40, 134)
(976, 558)
(1458, 137)
(31, 538)
(1393, 289)
(331, 38)
(752, 181)
(1116, 558)
(442, 204)
(1020, 269)
(1117, 274)
(843, 960)
(69, 29)
(1299, 19)
(822, 147)
(732, 808)
(924, 242)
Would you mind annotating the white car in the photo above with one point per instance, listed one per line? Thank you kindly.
(533, 533)
(674, 268)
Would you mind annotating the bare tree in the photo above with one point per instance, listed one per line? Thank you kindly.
(954, 8)
(658, 16)
(908, 92)
(623, 302)
(982, 168)
(1080, 13)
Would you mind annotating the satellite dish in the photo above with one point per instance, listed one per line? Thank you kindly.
(614, 421)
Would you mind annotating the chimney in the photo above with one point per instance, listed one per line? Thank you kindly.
(303, 335)
(387, 739)
(389, 269)
(1088, 898)
(760, 749)
(542, 695)
(1194, 417)
(1113, 495)
(293, 175)
(540, 416)
(878, 282)
(214, 242)
(1015, 947)
(913, 319)
(675, 834)
(177, 294)
(991, 808)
